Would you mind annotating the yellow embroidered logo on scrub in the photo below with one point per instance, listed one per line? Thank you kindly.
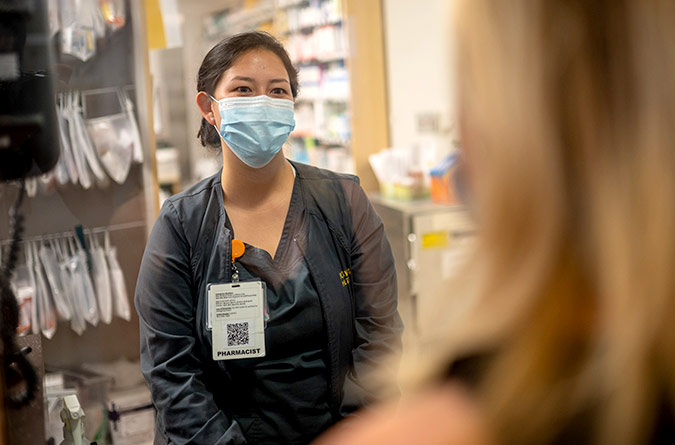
(345, 276)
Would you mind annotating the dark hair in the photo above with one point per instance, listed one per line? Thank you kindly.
(221, 57)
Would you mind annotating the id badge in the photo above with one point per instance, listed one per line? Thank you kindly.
(237, 319)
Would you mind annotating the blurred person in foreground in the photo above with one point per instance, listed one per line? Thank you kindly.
(561, 329)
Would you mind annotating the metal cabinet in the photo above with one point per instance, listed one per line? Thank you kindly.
(428, 242)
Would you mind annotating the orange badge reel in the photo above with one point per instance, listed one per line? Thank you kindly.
(238, 249)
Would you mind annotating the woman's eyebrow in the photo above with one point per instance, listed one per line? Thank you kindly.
(252, 80)
(244, 78)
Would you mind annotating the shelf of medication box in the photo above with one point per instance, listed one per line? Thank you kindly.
(240, 20)
(325, 141)
(291, 4)
(333, 142)
(309, 28)
(313, 99)
(288, 4)
(322, 60)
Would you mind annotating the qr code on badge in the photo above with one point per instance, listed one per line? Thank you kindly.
(237, 334)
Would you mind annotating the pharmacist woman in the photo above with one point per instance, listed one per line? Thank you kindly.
(267, 292)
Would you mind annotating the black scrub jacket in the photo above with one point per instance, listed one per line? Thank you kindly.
(350, 261)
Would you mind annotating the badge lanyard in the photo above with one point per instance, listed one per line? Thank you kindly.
(237, 314)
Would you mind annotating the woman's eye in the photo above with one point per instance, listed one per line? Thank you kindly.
(243, 90)
(279, 92)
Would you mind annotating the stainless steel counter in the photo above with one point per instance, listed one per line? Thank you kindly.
(426, 239)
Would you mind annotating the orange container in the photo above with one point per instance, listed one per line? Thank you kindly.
(442, 184)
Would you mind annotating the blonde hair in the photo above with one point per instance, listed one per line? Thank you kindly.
(568, 108)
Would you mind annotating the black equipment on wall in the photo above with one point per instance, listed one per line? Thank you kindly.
(29, 146)
(29, 140)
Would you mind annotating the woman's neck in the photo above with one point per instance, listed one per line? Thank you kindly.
(247, 187)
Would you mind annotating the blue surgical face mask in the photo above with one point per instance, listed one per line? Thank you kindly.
(255, 128)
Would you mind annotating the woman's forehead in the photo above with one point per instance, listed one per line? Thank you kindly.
(258, 64)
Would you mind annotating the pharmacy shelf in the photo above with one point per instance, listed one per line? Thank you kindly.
(324, 60)
(309, 28)
(290, 4)
(313, 100)
(323, 140)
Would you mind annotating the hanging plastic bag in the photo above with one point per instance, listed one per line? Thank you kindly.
(79, 42)
(95, 13)
(83, 141)
(114, 13)
(101, 278)
(119, 288)
(83, 289)
(53, 17)
(78, 38)
(47, 181)
(82, 23)
(67, 155)
(77, 322)
(93, 314)
(31, 187)
(67, 12)
(45, 307)
(60, 171)
(30, 264)
(113, 138)
(136, 134)
(53, 274)
(83, 173)
(23, 285)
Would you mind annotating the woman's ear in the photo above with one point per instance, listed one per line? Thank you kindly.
(205, 107)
